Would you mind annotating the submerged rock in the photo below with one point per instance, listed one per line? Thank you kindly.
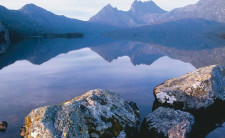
(3, 126)
(167, 122)
(97, 113)
(4, 38)
(196, 90)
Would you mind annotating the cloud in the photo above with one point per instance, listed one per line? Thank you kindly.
(84, 9)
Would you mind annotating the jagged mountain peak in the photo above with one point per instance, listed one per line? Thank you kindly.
(146, 7)
(106, 11)
(140, 14)
(139, 2)
(108, 7)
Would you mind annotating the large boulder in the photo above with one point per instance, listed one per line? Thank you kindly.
(97, 113)
(167, 122)
(4, 38)
(193, 91)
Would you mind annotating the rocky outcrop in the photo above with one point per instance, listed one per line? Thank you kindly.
(4, 38)
(193, 91)
(3, 126)
(97, 113)
(167, 122)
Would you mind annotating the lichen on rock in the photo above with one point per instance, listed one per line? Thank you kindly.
(192, 91)
(97, 113)
(167, 122)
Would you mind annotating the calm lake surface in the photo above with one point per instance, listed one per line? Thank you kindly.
(41, 72)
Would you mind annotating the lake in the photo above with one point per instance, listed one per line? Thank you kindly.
(39, 72)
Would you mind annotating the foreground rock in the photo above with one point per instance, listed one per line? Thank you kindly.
(167, 122)
(4, 38)
(3, 126)
(196, 90)
(97, 113)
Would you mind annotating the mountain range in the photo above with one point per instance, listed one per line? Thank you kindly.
(33, 20)
(206, 16)
(140, 13)
(212, 10)
(148, 13)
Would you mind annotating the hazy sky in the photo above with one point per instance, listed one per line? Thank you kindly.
(84, 9)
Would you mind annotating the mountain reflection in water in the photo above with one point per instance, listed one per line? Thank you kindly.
(38, 72)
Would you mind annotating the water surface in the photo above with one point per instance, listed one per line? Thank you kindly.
(43, 72)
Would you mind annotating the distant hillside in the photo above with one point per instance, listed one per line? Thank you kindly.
(178, 34)
(184, 27)
(140, 13)
(32, 19)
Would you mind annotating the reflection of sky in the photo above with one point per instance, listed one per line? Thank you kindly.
(25, 86)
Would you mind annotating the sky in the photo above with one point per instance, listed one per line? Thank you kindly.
(84, 9)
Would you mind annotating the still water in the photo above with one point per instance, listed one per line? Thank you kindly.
(41, 72)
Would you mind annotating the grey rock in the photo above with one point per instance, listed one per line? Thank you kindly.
(97, 113)
(4, 38)
(122, 134)
(167, 122)
(196, 90)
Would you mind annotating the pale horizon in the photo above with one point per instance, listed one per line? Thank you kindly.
(83, 10)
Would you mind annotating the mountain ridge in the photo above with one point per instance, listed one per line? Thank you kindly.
(146, 6)
(212, 10)
(139, 14)
(33, 20)
(148, 13)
